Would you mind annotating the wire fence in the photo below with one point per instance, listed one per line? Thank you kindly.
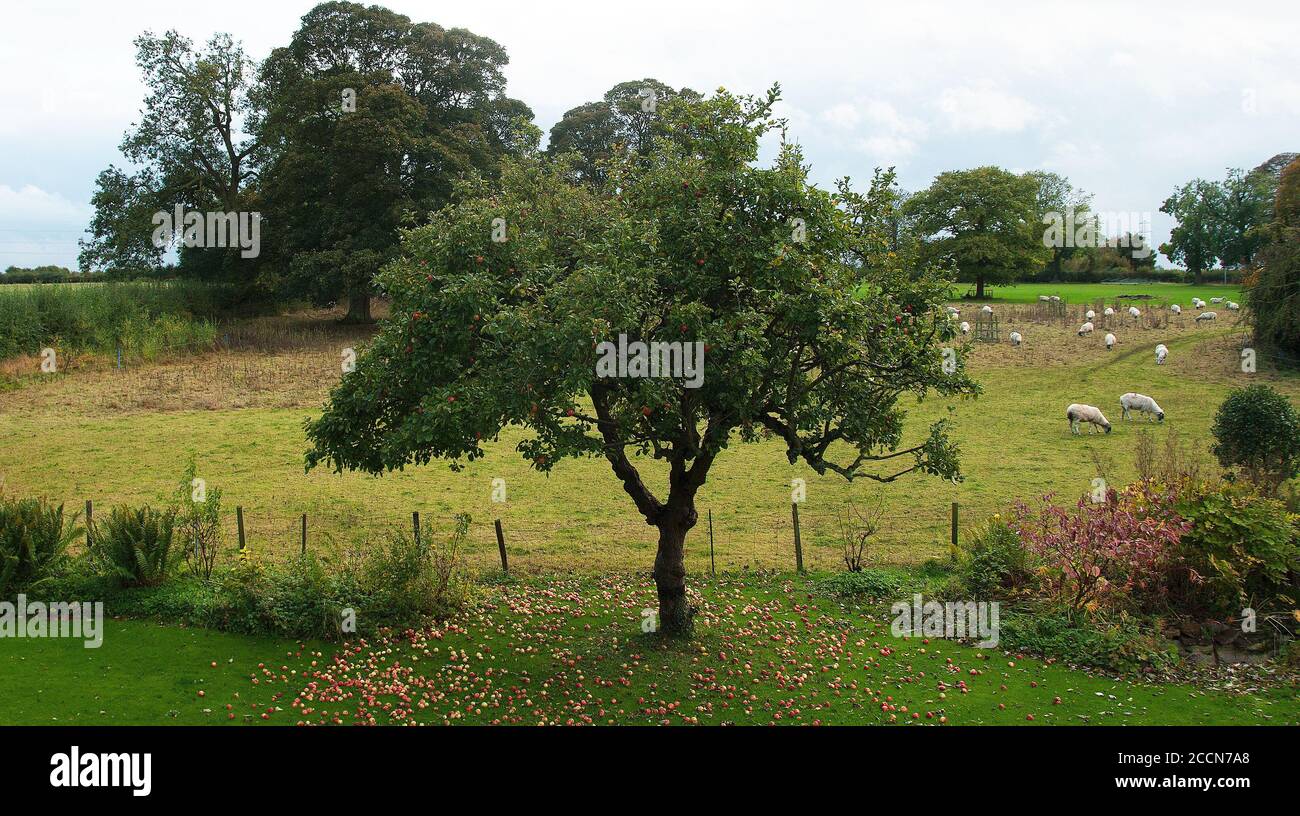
(796, 537)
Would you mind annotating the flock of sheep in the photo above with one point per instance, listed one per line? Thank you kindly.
(1078, 413)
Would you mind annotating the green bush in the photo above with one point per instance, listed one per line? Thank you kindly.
(1119, 644)
(867, 583)
(1257, 432)
(994, 565)
(1243, 549)
(404, 580)
(134, 545)
(34, 540)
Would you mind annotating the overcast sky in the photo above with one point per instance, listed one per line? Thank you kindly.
(1126, 99)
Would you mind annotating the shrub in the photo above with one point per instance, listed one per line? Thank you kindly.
(34, 539)
(1240, 550)
(867, 583)
(134, 546)
(1120, 643)
(994, 563)
(1112, 553)
(198, 523)
(1258, 433)
(857, 527)
(405, 580)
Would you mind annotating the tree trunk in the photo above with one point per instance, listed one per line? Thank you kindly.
(670, 571)
(979, 287)
(358, 308)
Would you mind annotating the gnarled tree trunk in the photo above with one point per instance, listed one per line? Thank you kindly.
(675, 613)
(358, 308)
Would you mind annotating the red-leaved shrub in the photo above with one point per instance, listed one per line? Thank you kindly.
(1108, 554)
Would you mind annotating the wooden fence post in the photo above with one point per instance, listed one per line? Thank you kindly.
(415, 525)
(954, 529)
(239, 521)
(713, 566)
(90, 508)
(501, 546)
(798, 545)
(304, 533)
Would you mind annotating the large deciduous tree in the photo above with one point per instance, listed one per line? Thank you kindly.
(369, 117)
(1057, 200)
(1273, 298)
(189, 148)
(810, 330)
(1196, 239)
(983, 221)
(625, 119)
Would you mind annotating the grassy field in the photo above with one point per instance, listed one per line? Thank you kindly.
(124, 437)
(1163, 293)
(571, 651)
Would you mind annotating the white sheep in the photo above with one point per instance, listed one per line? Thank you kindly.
(1077, 413)
(1233, 306)
(1162, 351)
(965, 327)
(1109, 312)
(987, 310)
(952, 310)
(1086, 328)
(1176, 309)
(1206, 316)
(1216, 300)
(1089, 315)
(1110, 342)
(1198, 303)
(1133, 311)
(1016, 339)
(1142, 404)
(1043, 299)
(1056, 298)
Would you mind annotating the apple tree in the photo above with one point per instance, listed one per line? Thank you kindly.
(811, 329)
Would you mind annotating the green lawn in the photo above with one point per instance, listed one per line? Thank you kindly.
(147, 674)
(1180, 293)
(571, 651)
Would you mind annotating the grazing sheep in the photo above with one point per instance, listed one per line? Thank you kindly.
(1142, 404)
(1043, 299)
(1089, 315)
(1133, 311)
(1110, 342)
(1176, 309)
(1077, 412)
(1198, 303)
(1206, 316)
(1109, 312)
(1162, 351)
(1016, 339)
(1216, 300)
(952, 310)
(1086, 328)
(965, 327)
(1233, 306)
(1056, 298)
(987, 310)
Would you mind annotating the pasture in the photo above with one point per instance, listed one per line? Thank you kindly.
(124, 436)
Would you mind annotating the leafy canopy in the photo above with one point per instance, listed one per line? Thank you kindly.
(812, 329)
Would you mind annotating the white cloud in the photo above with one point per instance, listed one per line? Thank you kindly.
(985, 108)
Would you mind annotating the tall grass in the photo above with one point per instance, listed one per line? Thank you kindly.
(144, 318)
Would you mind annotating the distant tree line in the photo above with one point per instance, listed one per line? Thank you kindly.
(46, 274)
